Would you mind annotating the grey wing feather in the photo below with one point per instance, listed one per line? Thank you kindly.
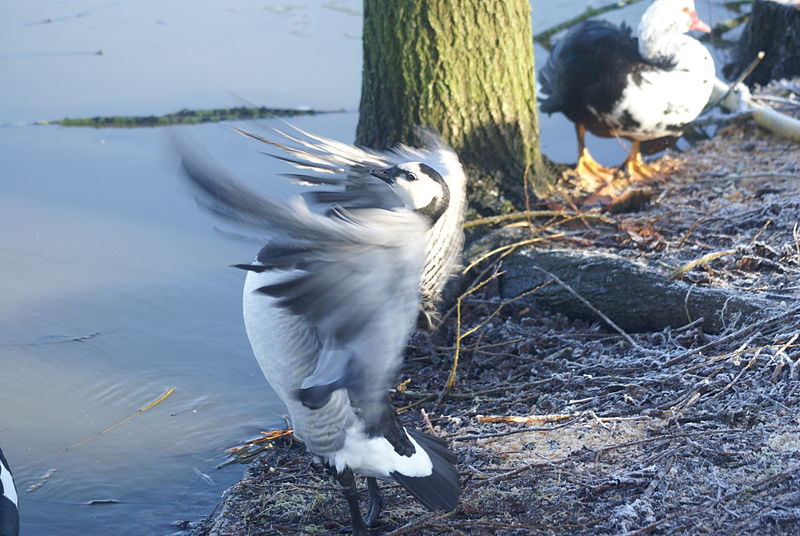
(354, 278)
(335, 163)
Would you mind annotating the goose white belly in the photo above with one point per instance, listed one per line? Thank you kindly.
(375, 456)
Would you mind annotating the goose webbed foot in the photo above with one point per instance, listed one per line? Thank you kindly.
(375, 502)
(348, 483)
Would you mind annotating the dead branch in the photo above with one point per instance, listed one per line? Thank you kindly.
(594, 309)
(634, 297)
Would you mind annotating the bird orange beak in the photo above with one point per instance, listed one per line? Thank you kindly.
(698, 24)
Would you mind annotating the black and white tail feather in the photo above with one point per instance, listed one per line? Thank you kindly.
(330, 304)
(441, 489)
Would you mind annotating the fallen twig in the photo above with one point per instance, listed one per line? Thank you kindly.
(653, 439)
(451, 380)
(705, 259)
(735, 335)
(139, 411)
(541, 419)
(418, 524)
(528, 419)
(266, 437)
(698, 221)
(522, 215)
(512, 526)
(511, 432)
(766, 174)
(744, 74)
(508, 249)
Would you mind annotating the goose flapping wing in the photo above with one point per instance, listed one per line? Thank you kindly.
(353, 275)
(327, 163)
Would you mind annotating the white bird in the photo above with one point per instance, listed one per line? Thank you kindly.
(347, 167)
(329, 306)
(9, 513)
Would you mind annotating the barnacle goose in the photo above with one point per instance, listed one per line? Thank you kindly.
(645, 88)
(329, 305)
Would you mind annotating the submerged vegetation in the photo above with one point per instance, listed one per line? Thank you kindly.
(185, 117)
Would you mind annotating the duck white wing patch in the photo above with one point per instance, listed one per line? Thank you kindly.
(659, 103)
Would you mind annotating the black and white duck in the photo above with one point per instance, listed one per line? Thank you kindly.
(643, 88)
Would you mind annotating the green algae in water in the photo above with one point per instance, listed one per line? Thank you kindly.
(184, 117)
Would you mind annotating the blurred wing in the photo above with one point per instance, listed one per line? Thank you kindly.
(354, 276)
(331, 163)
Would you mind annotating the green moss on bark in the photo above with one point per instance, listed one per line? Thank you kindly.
(182, 117)
(466, 68)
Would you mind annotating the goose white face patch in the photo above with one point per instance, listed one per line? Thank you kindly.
(418, 192)
(9, 491)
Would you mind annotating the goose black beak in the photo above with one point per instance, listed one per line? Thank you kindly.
(382, 174)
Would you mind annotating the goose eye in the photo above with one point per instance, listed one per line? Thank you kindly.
(411, 177)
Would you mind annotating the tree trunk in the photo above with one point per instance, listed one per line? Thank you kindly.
(464, 67)
(774, 27)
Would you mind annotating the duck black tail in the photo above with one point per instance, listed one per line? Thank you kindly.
(439, 490)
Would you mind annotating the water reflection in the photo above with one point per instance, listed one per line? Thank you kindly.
(115, 288)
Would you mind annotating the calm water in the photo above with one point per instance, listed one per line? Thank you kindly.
(100, 242)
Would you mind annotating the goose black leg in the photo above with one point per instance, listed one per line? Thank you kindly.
(348, 482)
(375, 502)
